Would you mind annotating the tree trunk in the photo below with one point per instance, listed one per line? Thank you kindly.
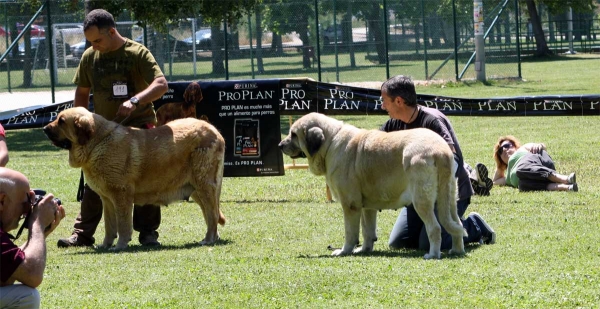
(259, 58)
(218, 67)
(540, 39)
(376, 29)
(349, 35)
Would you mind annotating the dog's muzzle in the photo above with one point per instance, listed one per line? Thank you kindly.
(65, 144)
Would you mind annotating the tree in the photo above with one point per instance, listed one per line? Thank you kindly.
(285, 16)
(554, 6)
(159, 13)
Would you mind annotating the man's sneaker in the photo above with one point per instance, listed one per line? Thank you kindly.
(488, 236)
(149, 240)
(74, 241)
(572, 178)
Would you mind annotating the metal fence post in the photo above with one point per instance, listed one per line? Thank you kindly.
(455, 40)
(518, 34)
(6, 39)
(318, 44)
(250, 34)
(51, 52)
(226, 48)
(386, 41)
(479, 40)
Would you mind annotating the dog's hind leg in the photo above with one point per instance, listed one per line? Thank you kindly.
(207, 199)
(368, 222)
(425, 209)
(446, 205)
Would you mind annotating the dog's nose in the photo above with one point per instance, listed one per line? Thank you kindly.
(280, 145)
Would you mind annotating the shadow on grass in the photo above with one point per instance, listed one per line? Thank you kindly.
(29, 140)
(403, 253)
(551, 58)
(139, 248)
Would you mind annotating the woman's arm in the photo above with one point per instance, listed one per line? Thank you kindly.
(499, 178)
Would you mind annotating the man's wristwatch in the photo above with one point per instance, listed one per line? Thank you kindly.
(134, 101)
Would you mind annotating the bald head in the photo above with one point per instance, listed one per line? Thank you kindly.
(8, 177)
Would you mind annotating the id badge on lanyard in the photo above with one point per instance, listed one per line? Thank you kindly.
(120, 90)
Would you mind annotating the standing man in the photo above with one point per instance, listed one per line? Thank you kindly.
(124, 79)
(26, 263)
(400, 101)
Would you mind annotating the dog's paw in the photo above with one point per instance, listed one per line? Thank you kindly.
(362, 249)
(430, 256)
(457, 252)
(205, 242)
(340, 252)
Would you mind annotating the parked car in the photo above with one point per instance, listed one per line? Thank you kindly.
(329, 34)
(36, 42)
(179, 47)
(203, 39)
(78, 49)
(36, 31)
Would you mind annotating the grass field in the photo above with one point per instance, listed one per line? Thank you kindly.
(273, 252)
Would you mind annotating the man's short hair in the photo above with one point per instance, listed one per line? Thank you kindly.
(401, 86)
(99, 18)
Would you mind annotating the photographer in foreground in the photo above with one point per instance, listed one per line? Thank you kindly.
(26, 263)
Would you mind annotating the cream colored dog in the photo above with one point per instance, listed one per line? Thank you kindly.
(369, 170)
(157, 166)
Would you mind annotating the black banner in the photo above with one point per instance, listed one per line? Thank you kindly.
(246, 112)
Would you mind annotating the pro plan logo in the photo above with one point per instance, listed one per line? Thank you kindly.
(245, 86)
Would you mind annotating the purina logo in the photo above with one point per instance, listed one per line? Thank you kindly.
(293, 85)
(245, 86)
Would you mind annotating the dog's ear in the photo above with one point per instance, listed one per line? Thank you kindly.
(314, 140)
(83, 129)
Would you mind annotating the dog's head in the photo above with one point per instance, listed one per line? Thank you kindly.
(187, 108)
(71, 126)
(308, 136)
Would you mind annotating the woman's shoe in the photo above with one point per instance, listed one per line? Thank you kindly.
(572, 178)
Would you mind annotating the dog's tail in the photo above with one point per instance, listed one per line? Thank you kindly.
(446, 197)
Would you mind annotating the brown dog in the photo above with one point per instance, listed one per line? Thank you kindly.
(157, 166)
(187, 108)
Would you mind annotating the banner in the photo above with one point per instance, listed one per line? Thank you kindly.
(247, 115)
(247, 112)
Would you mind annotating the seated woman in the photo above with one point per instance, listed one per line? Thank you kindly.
(528, 167)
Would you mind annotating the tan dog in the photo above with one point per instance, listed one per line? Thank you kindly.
(171, 111)
(369, 170)
(157, 166)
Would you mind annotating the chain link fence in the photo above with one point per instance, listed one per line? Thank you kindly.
(327, 40)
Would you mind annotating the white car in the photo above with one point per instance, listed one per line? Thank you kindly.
(78, 49)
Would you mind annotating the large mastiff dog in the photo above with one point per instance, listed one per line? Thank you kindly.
(369, 170)
(127, 165)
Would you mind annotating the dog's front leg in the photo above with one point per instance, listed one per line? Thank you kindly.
(368, 222)
(110, 223)
(352, 216)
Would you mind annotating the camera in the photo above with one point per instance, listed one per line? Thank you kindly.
(39, 195)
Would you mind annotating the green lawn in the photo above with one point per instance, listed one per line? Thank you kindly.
(273, 252)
